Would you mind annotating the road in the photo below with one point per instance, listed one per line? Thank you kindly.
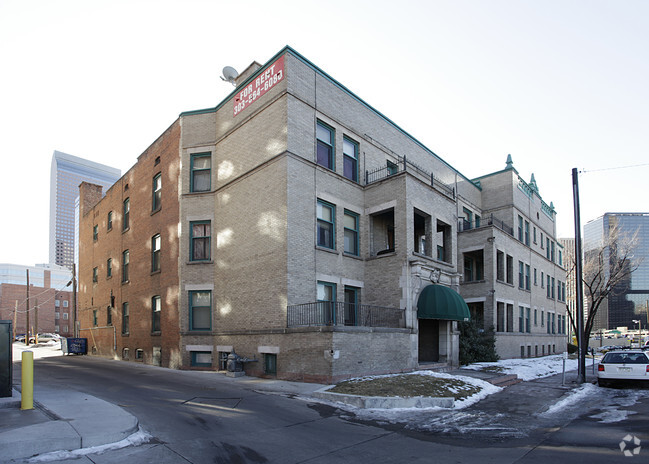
(199, 417)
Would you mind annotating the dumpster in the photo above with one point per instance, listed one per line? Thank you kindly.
(74, 345)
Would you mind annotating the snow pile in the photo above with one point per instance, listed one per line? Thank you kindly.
(574, 397)
(528, 368)
(138, 438)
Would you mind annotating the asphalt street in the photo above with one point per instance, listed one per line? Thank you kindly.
(204, 417)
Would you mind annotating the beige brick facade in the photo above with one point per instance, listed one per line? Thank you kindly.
(249, 187)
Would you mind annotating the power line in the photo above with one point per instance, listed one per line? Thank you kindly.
(583, 171)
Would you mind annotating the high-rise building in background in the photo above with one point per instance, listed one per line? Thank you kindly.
(66, 174)
(628, 301)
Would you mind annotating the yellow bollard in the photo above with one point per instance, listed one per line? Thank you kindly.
(27, 393)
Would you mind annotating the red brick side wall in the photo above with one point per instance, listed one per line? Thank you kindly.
(105, 337)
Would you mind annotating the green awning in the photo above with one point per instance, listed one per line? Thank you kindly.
(439, 302)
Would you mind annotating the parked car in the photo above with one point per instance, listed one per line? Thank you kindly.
(20, 338)
(606, 348)
(623, 365)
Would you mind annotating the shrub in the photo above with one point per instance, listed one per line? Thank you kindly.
(476, 344)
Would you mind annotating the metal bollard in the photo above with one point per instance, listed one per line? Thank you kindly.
(27, 393)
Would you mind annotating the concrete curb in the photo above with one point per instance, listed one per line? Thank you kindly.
(383, 402)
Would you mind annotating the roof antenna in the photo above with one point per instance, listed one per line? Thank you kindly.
(229, 75)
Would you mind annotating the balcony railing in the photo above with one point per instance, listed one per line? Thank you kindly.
(464, 225)
(404, 164)
(331, 313)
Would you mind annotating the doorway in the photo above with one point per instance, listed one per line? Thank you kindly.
(428, 340)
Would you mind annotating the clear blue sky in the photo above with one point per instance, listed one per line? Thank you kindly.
(556, 84)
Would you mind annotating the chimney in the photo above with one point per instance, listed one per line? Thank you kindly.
(89, 196)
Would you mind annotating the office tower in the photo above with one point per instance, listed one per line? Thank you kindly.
(66, 174)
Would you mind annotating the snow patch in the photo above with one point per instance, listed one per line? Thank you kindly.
(574, 397)
(135, 439)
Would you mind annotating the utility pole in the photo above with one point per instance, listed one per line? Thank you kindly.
(74, 301)
(27, 311)
(579, 291)
(36, 321)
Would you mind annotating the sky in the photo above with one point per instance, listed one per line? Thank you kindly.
(558, 84)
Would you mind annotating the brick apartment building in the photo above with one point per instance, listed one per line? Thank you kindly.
(50, 308)
(296, 225)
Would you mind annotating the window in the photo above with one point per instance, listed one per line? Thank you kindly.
(109, 268)
(125, 316)
(109, 221)
(200, 241)
(521, 275)
(527, 277)
(554, 327)
(536, 317)
(350, 159)
(535, 277)
(474, 266)
(542, 280)
(57, 315)
(155, 253)
(156, 200)
(467, 220)
(422, 231)
(201, 358)
(552, 251)
(125, 353)
(542, 318)
(392, 168)
(510, 317)
(326, 293)
(547, 248)
(560, 258)
(95, 272)
(559, 290)
(127, 209)
(510, 270)
(94, 317)
(57, 303)
(65, 303)
(65, 315)
(541, 240)
(500, 265)
(534, 230)
(527, 233)
(325, 145)
(521, 319)
(155, 313)
(549, 326)
(139, 354)
(520, 228)
(200, 172)
(326, 225)
(350, 222)
(95, 232)
(549, 288)
(553, 288)
(477, 221)
(125, 262)
(200, 310)
(528, 329)
(444, 242)
(500, 317)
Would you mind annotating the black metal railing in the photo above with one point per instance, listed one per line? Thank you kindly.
(464, 225)
(403, 164)
(332, 313)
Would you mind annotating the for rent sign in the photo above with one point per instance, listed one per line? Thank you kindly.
(260, 85)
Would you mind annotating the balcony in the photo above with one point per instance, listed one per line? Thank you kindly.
(464, 225)
(331, 313)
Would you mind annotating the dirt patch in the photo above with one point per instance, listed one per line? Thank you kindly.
(407, 386)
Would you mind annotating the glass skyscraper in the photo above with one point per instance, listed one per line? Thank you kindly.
(628, 301)
(66, 174)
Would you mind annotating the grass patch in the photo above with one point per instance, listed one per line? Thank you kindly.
(407, 386)
(494, 369)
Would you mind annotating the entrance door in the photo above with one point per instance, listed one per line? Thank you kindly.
(428, 340)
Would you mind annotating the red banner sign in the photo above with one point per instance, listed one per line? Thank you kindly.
(260, 85)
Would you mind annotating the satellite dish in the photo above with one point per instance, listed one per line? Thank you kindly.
(229, 75)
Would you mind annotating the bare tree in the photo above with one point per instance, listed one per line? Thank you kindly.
(607, 270)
